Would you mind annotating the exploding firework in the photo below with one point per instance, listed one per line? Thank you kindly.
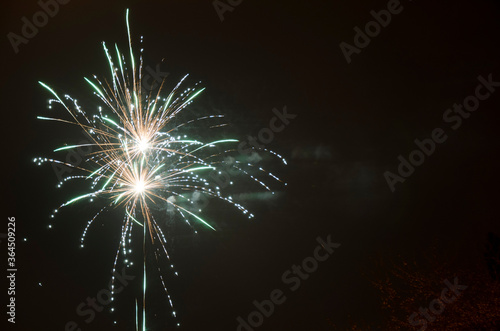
(138, 159)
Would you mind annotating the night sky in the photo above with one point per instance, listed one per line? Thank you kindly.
(352, 122)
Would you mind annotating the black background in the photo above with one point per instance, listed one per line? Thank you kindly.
(265, 54)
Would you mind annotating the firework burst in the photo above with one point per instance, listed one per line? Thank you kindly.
(138, 159)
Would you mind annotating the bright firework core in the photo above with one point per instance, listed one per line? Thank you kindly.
(143, 145)
(140, 186)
